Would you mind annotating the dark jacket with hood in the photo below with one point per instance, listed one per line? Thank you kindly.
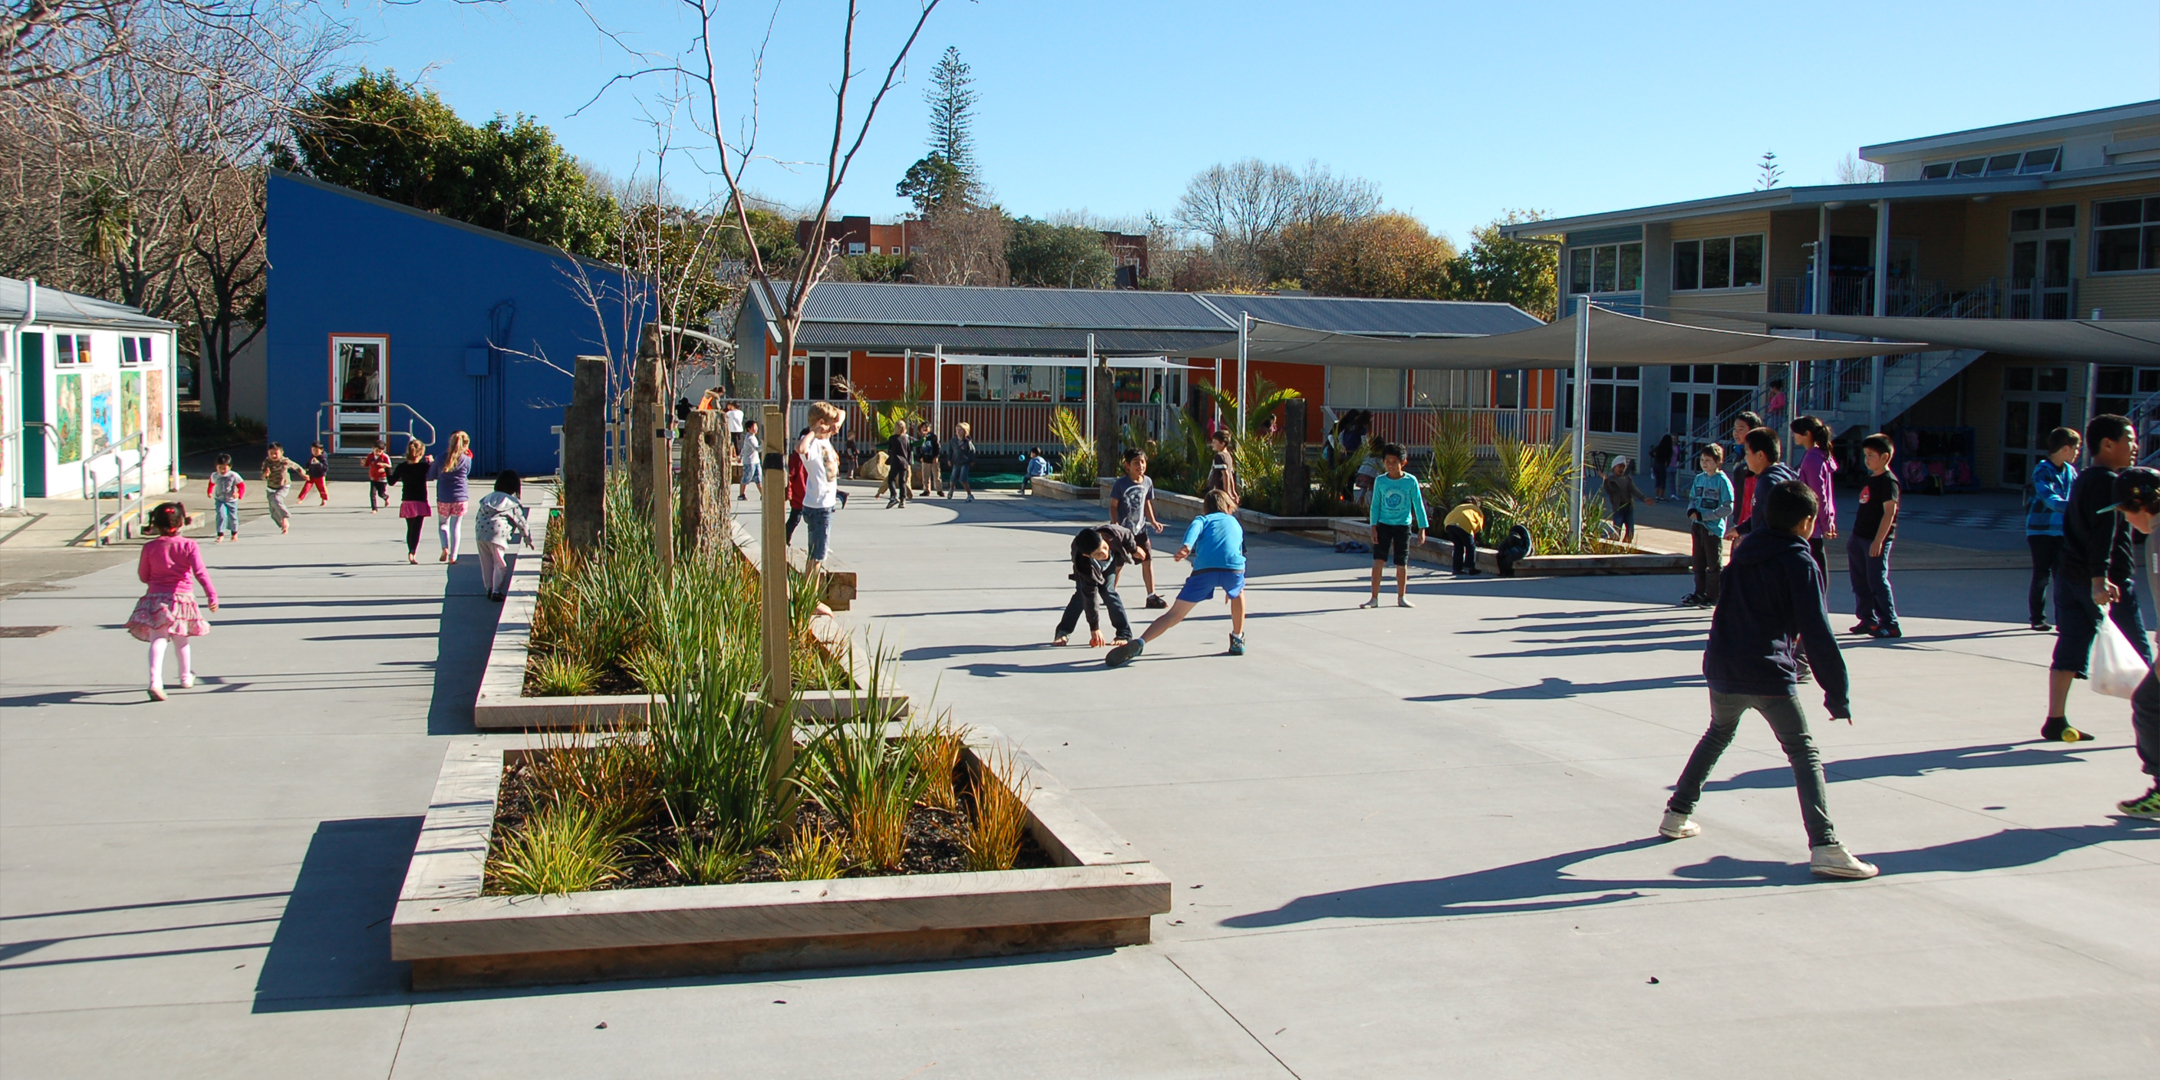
(1770, 602)
(1759, 515)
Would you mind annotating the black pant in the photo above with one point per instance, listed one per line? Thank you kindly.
(2145, 723)
(1789, 724)
(1511, 549)
(1817, 551)
(2046, 551)
(1465, 549)
(1081, 602)
(412, 534)
(794, 518)
(378, 490)
(1709, 568)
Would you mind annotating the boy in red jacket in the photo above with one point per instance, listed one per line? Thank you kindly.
(378, 475)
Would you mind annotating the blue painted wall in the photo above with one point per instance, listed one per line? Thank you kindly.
(457, 302)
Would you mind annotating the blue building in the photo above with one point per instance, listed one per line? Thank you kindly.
(385, 319)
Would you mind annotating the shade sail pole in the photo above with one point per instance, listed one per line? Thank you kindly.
(1582, 412)
(1088, 397)
(937, 390)
(1244, 402)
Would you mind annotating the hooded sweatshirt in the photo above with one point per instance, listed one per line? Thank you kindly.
(1759, 514)
(1816, 469)
(1772, 601)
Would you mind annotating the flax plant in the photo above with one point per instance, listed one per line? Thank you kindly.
(1001, 813)
(810, 856)
(937, 755)
(563, 848)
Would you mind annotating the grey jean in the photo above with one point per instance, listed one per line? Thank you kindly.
(1790, 726)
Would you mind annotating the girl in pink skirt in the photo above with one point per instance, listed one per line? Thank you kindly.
(169, 566)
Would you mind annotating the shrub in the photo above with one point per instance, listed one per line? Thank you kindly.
(563, 675)
(563, 848)
(707, 860)
(1001, 815)
(811, 856)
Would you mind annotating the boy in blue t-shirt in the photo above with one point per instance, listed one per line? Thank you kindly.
(1398, 504)
(1215, 543)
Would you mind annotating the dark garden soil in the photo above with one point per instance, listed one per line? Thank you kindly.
(936, 840)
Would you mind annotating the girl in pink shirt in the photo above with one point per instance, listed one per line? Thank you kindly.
(169, 567)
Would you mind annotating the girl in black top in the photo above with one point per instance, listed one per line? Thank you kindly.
(411, 475)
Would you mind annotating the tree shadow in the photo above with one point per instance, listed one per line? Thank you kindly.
(333, 942)
(1547, 885)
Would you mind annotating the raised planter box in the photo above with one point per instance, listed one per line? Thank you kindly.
(502, 704)
(1438, 551)
(1101, 894)
(1059, 489)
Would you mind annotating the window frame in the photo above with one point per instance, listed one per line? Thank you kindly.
(1701, 247)
(1587, 255)
(2147, 224)
(2035, 162)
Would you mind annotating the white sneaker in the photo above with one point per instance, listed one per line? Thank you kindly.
(1833, 861)
(1403, 601)
(1373, 603)
(1678, 826)
(187, 682)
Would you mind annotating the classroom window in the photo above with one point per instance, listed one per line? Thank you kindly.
(1615, 400)
(2126, 235)
(2028, 163)
(1605, 268)
(1722, 262)
(134, 351)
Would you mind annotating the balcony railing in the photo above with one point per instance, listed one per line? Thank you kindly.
(1854, 294)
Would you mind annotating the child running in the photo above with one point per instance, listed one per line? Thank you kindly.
(226, 490)
(411, 477)
(318, 475)
(1215, 543)
(1774, 601)
(378, 475)
(1398, 503)
(1867, 554)
(1095, 556)
(2137, 501)
(1132, 505)
(753, 462)
(500, 523)
(451, 490)
(169, 566)
(1709, 503)
(277, 473)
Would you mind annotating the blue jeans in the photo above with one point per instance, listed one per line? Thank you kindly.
(819, 518)
(228, 517)
(1870, 574)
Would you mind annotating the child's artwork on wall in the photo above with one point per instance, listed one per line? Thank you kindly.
(68, 417)
(104, 426)
(154, 408)
(131, 403)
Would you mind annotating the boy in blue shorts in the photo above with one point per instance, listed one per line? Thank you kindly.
(1215, 543)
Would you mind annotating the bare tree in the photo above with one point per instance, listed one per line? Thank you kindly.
(963, 244)
(1267, 222)
(1852, 170)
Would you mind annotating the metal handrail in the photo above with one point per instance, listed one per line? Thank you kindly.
(323, 431)
(120, 493)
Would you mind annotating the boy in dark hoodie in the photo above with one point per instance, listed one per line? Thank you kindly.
(2137, 502)
(1761, 448)
(1096, 555)
(2093, 570)
(1772, 602)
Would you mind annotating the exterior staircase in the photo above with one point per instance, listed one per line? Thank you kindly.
(1842, 393)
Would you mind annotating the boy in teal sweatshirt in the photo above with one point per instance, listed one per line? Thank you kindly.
(1398, 503)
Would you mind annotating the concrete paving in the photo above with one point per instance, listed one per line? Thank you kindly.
(1405, 842)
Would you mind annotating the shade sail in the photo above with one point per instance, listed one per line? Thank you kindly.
(1615, 340)
(2109, 341)
(1144, 363)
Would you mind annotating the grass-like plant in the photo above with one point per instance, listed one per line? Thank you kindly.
(937, 754)
(614, 777)
(1454, 454)
(1000, 811)
(562, 674)
(1078, 467)
(707, 860)
(870, 781)
(810, 856)
(1532, 489)
(563, 848)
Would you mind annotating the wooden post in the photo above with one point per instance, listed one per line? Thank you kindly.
(779, 674)
(700, 515)
(1107, 446)
(1296, 476)
(663, 498)
(584, 465)
(646, 415)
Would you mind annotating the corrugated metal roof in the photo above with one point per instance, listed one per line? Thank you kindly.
(57, 307)
(1064, 341)
(1353, 315)
(955, 305)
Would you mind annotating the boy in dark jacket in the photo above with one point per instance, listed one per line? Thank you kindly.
(1761, 448)
(2137, 502)
(2093, 570)
(1772, 603)
(1096, 554)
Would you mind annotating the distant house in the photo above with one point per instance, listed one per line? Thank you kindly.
(386, 320)
(858, 235)
(86, 387)
(2049, 219)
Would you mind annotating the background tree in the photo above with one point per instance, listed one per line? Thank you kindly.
(1768, 172)
(933, 182)
(1518, 272)
(1058, 256)
(1388, 255)
(952, 100)
(1266, 223)
(1852, 170)
(963, 244)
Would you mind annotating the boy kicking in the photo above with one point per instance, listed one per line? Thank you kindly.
(2137, 500)
(1398, 502)
(1772, 595)
(1215, 543)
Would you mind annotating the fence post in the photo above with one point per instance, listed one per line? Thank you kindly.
(584, 463)
(645, 416)
(700, 515)
(1296, 476)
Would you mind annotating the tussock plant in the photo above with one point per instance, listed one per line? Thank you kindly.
(811, 856)
(1454, 454)
(707, 860)
(870, 782)
(937, 754)
(613, 777)
(563, 675)
(563, 848)
(1001, 813)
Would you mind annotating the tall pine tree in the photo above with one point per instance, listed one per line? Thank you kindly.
(952, 119)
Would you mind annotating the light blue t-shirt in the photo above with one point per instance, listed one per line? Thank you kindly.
(1397, 501)
(1217, 542)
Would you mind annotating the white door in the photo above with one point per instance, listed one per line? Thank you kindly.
(359, 405)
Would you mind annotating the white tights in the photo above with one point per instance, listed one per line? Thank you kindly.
(157, 660)
(449, 528)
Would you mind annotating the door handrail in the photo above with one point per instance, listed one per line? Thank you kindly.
(323, 431)
(96, 491)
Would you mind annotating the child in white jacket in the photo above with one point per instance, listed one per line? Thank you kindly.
(501, 523)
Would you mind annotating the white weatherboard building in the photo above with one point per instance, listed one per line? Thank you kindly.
(87, 397)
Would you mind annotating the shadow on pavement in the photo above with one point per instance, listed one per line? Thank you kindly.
(465, 636)
(1554, 687)
(1917, 763)
(1546, 885)
(333, 942)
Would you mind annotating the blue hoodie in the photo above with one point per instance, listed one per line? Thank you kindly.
(1759, 514)
(1771, 601)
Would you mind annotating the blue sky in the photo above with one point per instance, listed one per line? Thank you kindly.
(1457, 111)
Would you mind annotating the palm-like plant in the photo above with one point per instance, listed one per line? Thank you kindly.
(1453, 456)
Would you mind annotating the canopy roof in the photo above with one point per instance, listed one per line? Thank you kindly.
(57, 307)
(2110, 341)
(1147, 363)
(1615, 340)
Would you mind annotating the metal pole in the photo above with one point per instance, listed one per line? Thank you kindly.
(1089, 396)
(1880, 308)
(1582, 412)
(1244, 406)
(937, 389)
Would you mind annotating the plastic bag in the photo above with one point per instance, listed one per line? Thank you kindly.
(2116, 667)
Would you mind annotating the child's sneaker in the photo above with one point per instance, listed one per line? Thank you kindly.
(1678, 826)
(157, 694)
(2058, 729)
(2041, 626)
(1864, 629)
(1237, 644)
(1403, 601)
(1123, 654)
(1372, 603)
(1886, 632)
(1690, 600)
(2144, 806)
(187, 682)
(1155, 601)
(1833, 861)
